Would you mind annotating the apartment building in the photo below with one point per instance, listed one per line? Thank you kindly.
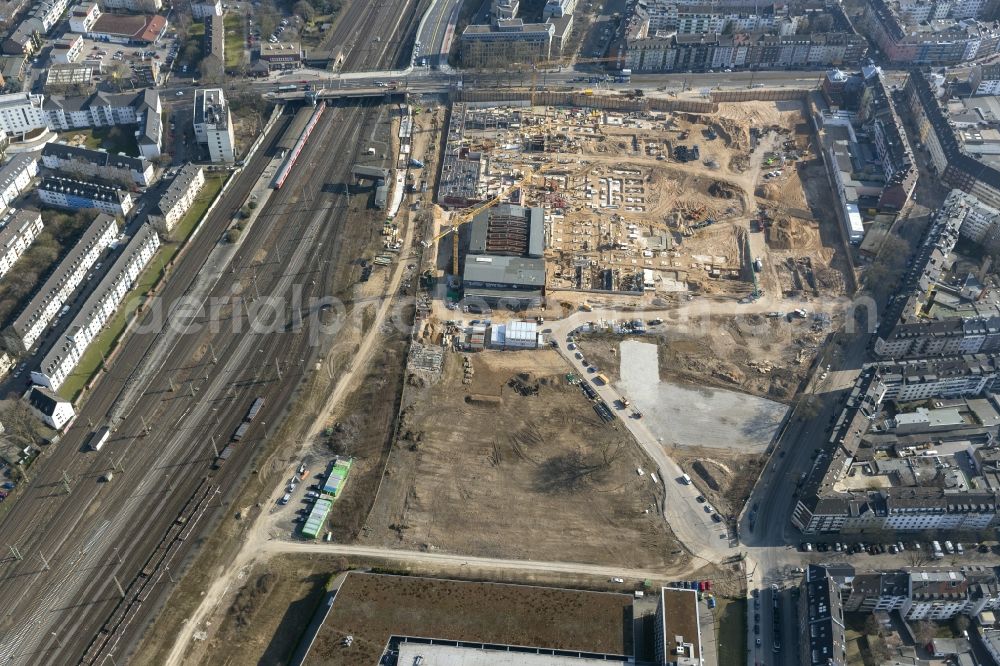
(16, 177)
(278, 57)
(100, 109)
(18, 229)
(178, 198)
(915, 11)
(86, 163)
(953, 162)
(200, 10)
(930, 41)
(877, 115)
(139, 6)
(59, 287)
(940, 595)
(77, 195)
(83, 17)
(557, 8)
(213, 125)
(822, 640)
(506, 43)
(98, 309)
(21, 112)
(67, 50)
(917, 484)
(700, 52)
(876, 592)
(940, 312)
(938, 377)
(215, 37)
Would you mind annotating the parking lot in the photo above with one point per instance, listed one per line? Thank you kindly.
(108, 54)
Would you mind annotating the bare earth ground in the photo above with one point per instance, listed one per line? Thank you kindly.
(371, 608)
(535, 477)
(724, 477)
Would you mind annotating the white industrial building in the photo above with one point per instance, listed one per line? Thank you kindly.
(68, 275)
(515, 335)
(213, 124)
(98, 309)
(178, 198)
(18, 230)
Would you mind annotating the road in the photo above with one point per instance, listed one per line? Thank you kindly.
(436, 32)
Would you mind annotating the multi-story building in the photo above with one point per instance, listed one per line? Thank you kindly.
(86, 163)
(877, 115)
(83, 17)
(77, 195)
(557, 8)
(678, 629)
(699, 52)
(506, 43)
(215, 38)
(930, 41)
(504, 10)
(876, 592)
(16, 177)
(213, 125)
(920, 486)
(130, 29)
(147, 6)
(200, 10)
(822, 640)
(915, 11)
(18, 229)
(98, 309)
(52, 409)
(938, 377)
(68, 49)
(951, 160)
(178, 198)
(64, 280)
(21, 112)
(941, 313)
(942, 594)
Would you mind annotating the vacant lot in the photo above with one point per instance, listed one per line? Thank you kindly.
(267, 615)
(481, 469)
(373, 607)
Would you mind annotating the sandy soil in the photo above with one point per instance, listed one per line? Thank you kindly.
(481, 469)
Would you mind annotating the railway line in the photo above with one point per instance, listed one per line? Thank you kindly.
(119, 524)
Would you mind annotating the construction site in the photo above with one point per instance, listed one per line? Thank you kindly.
(649, 204)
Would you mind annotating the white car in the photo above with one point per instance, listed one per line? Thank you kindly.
(617, 580)
(180, 93)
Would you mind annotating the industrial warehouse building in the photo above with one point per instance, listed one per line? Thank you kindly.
(504, 265)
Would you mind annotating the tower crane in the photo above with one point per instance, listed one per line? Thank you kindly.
(467, 215)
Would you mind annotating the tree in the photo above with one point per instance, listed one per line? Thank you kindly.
(821, 23)
(305, 10)
(182, 24)
(960, 623)
(924, 632)
(212, 70)
(872, 626)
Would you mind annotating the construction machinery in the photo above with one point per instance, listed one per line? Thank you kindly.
(466, 216)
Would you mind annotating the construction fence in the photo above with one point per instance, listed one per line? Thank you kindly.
(603, 102)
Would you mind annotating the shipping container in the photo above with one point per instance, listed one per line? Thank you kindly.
(99, 437)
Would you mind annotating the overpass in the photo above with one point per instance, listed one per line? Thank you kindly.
(355, 92)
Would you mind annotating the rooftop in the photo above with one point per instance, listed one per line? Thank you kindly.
(374, 607)
(681, 630)
(134, 26)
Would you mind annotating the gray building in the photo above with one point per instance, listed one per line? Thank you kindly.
(504, 261)
(821, 620)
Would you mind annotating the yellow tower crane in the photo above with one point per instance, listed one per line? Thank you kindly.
(466, 216)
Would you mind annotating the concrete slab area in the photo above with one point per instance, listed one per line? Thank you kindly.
(695, 416)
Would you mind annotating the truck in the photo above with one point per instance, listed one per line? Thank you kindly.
(287, 88)
(758, 265)
(602, 378)
(98, 438)
(936, 550)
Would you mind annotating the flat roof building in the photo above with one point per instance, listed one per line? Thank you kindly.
(506, 43)
(678, 628)
(213, 125)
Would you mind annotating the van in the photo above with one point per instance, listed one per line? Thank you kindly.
(948, 548)
(285, 499)
(686, 479)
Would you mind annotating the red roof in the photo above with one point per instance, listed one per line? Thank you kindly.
(136, 27)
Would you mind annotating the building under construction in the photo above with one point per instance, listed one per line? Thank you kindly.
(504, 263)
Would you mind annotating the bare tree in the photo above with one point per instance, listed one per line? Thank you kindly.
(924, 632)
